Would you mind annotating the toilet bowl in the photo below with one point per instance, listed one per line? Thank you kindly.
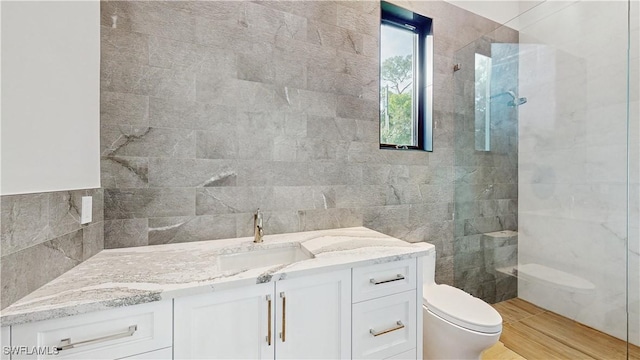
(456, 324)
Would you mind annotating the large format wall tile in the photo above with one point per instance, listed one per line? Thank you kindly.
(28, 269)
(25, 221)
(236, 105)
(42, 238)
(125, 233)
(145, 203)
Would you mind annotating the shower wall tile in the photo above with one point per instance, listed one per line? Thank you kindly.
(41, 238)
(486, 182)
(235, 105)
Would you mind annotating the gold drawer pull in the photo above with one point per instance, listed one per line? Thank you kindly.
(269, 320)
(283, 334)
(378, 282)
(399, 325)
(65, 344)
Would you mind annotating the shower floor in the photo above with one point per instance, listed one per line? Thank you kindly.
(532, 333)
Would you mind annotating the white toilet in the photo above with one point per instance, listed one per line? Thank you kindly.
(456, 324)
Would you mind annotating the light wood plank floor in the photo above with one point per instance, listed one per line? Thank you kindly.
(532, 333)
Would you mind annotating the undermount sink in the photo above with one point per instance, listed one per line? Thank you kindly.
(256, 258)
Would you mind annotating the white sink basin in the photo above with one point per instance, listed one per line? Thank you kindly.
(262, 257)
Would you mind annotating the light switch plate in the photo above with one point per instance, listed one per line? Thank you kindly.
(86, 216)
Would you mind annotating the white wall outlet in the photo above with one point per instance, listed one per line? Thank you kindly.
(86, 215)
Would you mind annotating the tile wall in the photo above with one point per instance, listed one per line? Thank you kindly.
(211, 110)
(41, 238)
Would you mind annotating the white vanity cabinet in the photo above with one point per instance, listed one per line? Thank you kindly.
(293, 319)
(386, 319)
(111, 334)
(363, 312)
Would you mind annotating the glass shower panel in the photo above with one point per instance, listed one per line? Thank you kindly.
(572, 164)
(544, 214)
(634, 174)
(486, 154)
(482, 102)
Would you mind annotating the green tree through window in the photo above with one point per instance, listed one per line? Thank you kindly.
(406, 79)
(396, 111)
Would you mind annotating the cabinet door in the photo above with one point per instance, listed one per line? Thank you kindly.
(314, 317)
(230, 324)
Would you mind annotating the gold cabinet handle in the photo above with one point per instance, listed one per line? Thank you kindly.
(66, 344)
(269, 320)
(283, 334)
(399, 325)
(378, 282)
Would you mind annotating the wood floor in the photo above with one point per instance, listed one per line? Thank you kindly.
(532, 333)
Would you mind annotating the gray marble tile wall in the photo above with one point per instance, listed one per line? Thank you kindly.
(41, 238)
(486, 182)
(213, 109)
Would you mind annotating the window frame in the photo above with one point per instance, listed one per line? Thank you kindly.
(392, 15)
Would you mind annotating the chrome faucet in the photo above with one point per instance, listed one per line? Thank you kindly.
(257, 227)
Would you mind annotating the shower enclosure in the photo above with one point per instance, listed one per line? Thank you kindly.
(547, 164)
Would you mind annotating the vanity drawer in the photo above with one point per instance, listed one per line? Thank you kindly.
(109, 334)
(383, 279)
(407, 355)
(384, 327)
(162, 354)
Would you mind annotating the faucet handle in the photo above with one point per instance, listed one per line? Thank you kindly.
(257, 217)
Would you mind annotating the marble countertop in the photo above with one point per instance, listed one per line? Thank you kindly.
(129, 276)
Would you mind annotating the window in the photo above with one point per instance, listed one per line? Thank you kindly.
(406, 62)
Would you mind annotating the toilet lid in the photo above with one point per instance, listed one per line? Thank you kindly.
(462, 309)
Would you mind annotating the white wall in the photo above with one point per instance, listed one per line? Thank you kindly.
(572, 159)
(50, 96)
(500, 11)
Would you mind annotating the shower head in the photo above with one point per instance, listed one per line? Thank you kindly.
(515, 101)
